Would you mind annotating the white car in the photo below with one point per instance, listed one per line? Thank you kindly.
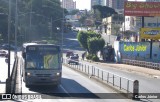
(73, 59)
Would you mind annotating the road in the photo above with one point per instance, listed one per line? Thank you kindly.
(74, 87)
(4, 71)
(4, 67)
(147, 84)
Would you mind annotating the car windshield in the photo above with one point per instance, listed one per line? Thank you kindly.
(74, 57)
(42, 60)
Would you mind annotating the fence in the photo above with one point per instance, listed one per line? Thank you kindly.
(120, 82)
(14, 75)
(142, 63)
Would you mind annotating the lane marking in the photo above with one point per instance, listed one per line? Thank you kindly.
(65, 91)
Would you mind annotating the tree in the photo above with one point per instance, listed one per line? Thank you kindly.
(42, 13)
(93, 45)
(82, 19)
(105, 11)
(92, 42)
(82, 38)
(101, 12)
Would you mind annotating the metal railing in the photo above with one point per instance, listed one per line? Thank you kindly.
(14, 75)
(112, 79)
(142, 63)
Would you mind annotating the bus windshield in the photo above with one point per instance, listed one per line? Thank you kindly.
(42, 60)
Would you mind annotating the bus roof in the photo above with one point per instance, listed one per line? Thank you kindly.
(30, 44)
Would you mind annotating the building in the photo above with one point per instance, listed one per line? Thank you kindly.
(97, 2)
(68, 4)
(112, 24)
(115, 4)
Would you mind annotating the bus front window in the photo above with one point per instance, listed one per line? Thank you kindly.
(42, 60)
(31, 63)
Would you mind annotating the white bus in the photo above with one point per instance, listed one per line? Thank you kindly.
(42, 64)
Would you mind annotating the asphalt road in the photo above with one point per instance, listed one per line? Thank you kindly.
(74, 87)
(4, 67)
(147, 84)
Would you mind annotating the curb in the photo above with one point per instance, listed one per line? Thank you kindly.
(128, 69)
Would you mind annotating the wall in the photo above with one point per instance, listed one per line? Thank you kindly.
(136, 51)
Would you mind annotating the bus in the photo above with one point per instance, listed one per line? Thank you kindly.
(42, 64)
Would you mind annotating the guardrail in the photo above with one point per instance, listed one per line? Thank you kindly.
(142, 63)
(112, 79)
(13, 78)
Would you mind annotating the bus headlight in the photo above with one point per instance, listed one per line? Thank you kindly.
(58, 74)
(28, 74)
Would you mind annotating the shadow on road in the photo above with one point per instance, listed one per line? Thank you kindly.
(68, 89)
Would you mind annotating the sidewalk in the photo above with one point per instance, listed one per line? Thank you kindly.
(130, 68)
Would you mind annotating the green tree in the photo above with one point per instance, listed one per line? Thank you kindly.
(100, 12)
(93, 45)
(42, 13)
(92, 42)
(82, 38)
(105, 11)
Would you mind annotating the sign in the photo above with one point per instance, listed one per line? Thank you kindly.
(42, 48)
(135, 48)
(141, 8)
(150, 33)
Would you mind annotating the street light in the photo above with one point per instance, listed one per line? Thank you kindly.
(8, 80)
(16, 27)
(62, 34)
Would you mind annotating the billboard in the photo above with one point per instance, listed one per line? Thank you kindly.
(150, 33)
(141, 8)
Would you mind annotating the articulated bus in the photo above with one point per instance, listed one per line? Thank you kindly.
(42, 64)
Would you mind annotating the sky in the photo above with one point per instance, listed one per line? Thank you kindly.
(86, 4)
(83, 4)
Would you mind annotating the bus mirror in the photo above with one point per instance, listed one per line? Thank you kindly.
(23, 55)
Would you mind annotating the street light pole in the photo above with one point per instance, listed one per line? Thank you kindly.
(51, 28)
(9, 30)
(62, 33)
(8, 80)
(30, 21)
(16, 28)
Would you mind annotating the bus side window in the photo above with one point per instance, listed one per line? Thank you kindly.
(23, 55)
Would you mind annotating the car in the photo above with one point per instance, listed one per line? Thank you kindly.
(6, 47)
(73, 59)
(69, 53)
(3, 53)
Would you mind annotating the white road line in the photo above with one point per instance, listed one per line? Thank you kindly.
(65, 90)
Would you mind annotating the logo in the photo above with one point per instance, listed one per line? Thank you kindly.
(152, 32)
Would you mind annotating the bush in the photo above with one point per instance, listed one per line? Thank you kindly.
(89, 56)
(95, 58)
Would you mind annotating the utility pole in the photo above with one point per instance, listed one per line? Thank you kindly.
(62, 33)
(30, 22)
(16, 28)
(51, 29)
(8, 80)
